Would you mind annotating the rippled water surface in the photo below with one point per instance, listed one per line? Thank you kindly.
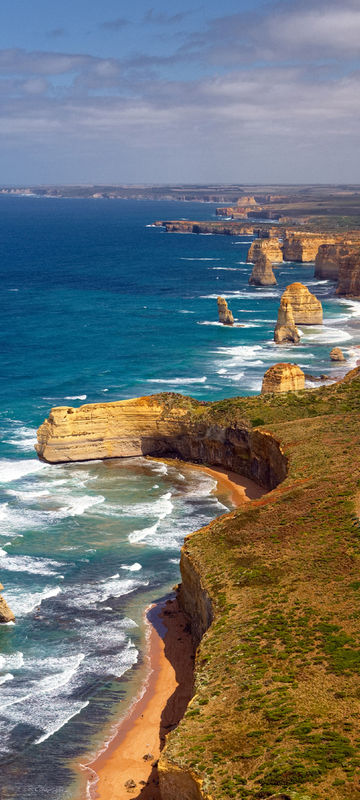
(97, 306)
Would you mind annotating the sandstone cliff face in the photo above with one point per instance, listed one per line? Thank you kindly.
(154, 426)
(225, 315)
(283, 378)
(262, 273)
(307, 309)
(349, 273)
(268, 247)
(327, 262)
(6, 615)
(300, 246)
(285, 329)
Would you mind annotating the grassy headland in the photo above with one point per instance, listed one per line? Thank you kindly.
(277, 699)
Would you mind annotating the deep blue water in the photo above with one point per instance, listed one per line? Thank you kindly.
(97, 306)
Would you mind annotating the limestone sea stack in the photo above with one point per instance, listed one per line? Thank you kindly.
(225, 315)
(283, 378)
(271, 248)
(6, 615)
(285, 329)
(262, 274)
(307, 309)
(337, 354)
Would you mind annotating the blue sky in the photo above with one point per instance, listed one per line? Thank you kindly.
(209, 92)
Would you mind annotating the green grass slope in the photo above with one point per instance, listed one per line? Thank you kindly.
(276, 710)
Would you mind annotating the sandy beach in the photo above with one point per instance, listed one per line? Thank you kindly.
(128, 767)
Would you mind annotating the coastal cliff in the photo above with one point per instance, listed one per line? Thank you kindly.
(161, 425)
(271, 590)
(303, 247)
(349, 273)
(275, 710)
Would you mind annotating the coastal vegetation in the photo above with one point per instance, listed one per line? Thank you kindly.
(276, 704)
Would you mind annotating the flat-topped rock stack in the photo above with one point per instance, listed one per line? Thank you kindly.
(285, 329)
(307, 309)
(6, 615)
(225, 315)
(283, 377)
(269, 247)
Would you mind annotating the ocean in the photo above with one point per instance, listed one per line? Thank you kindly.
(97, 305)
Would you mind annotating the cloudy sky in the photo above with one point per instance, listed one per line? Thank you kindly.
(231, 91)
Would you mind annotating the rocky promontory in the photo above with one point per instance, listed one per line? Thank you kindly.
(6, 615)
(303, 246)
(285, 329)
(225, 315)
(307, 309)
(283, 377)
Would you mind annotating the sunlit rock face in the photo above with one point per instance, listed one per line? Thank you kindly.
(306, 308)
(285, 329)
(283, 378)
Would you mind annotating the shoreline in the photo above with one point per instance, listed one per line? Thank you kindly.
(167, 690)
(127, 767)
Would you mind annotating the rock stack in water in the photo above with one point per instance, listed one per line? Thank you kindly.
(262, 274)
(337, 354)
(225, 315)
(271, 248)
(306, 308)
(6, 615)
(283, 378)
(286, 330)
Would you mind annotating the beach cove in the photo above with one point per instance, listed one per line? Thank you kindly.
(79, 598)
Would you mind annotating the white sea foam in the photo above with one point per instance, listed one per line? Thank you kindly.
(30, 564)
(177, 381)
(23, 438)
(78, 505)
(133, 567)
(5, 678)
(25, 602)
(200, 259)
(12, 661)
(326, 335)
(76, 397)
(76, 708)
(14, 470)
(242, 294)
(225, 269)
(184, 311)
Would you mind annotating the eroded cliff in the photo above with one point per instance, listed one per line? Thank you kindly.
(265, 247)
(276, 707)
(306, 308)
(6, 615)
(166, 424)
(303, 246)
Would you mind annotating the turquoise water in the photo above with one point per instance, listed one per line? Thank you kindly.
(97, 306)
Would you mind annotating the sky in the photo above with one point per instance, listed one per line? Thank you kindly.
(236, 91)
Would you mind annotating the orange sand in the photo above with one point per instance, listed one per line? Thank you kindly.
(151, 718)
(169, 688)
